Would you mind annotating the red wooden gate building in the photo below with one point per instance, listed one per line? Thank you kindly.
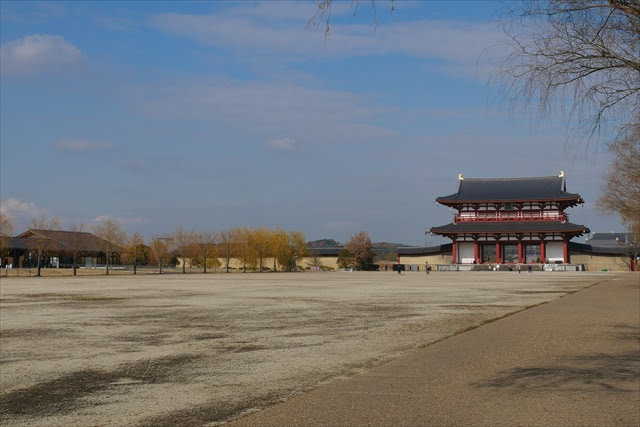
(511, 220)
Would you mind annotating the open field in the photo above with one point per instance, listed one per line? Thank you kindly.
(196, 349)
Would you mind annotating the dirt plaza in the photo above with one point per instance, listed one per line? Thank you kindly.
(205, 349)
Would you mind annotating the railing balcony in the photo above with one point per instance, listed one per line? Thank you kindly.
(510, 216)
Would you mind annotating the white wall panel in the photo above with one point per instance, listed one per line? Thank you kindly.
(465, 253)
(554, 252)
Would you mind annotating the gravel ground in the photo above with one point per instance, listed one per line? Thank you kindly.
(205, 349)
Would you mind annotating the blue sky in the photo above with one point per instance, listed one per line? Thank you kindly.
(219, 114)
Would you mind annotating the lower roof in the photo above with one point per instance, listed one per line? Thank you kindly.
(481, 227)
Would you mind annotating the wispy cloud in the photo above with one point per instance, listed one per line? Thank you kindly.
(20, 209)
(121, 219)
(287, 145)
(120, 24)
(82, 145)
(38, 53)
(265, 31)
(272, 108)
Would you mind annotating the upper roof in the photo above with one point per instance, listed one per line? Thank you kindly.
(543, 188)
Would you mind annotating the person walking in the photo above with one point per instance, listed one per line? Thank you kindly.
(427, 267)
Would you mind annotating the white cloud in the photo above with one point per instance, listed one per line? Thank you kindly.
(82, 145)
(283, 144)
(19, 209)
(121, 219)
(38, 53)
(275, 107)
(259, 29)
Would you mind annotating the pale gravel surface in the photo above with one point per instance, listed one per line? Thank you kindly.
(196, 349)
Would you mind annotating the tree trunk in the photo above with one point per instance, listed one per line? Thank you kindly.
(74, 266)
(107, 263)
(39, 257)
(205, 261)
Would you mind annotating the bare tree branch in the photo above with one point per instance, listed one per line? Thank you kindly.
(579, 57)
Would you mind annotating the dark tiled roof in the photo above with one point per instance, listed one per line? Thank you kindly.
(510, 227)
(335, 250)
(611, 239)
(511, 189)
(18, 243)
(325, 251)
(593, 249)
(428, 250)
(64, 241)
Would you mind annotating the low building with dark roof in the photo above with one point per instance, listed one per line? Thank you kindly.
(612, 239)
(610, 251)
(59, 248)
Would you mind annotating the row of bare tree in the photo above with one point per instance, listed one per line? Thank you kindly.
(252, 246)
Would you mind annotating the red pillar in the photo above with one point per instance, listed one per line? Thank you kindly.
(454, 254)
(498, 254)
(476, 252)
(520, 252)
(543, 252)
(565, 251)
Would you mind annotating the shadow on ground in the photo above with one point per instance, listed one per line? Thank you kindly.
(616, 371)
(69, 392)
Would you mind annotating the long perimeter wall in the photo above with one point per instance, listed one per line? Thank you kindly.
(592, 262)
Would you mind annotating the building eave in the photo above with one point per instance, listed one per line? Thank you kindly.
(535, 227)
(454, 202)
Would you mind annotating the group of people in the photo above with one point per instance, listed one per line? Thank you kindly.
(427, 268)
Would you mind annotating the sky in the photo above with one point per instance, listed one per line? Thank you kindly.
(212, 115)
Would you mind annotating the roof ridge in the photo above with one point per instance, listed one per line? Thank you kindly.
(57, 231)
(510, 179)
